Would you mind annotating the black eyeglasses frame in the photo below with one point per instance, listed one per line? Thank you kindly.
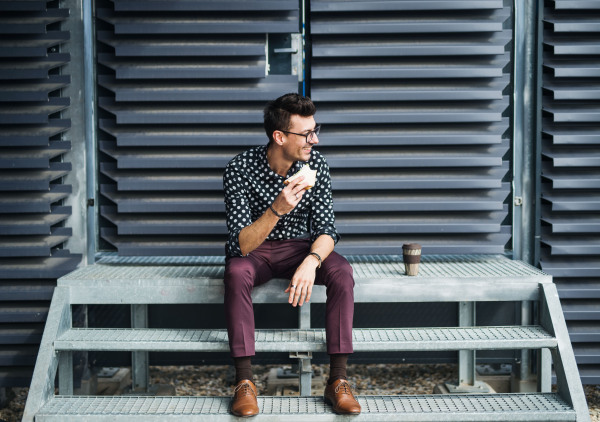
(312, 133)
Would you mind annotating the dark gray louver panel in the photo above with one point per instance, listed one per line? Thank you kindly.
(571, 171)
(181, 89)
(31, 167)
(414, 99)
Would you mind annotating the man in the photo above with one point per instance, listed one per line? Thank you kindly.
(285, 231)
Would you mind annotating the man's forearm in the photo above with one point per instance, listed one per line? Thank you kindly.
(322, 246)
(252, 236)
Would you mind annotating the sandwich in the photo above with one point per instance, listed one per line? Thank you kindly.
(310, 176)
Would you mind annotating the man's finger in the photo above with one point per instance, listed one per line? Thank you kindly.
(297, 296)
(292, 290)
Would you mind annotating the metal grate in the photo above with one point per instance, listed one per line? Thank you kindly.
(365, 267)
(530, 407)
(364, 340)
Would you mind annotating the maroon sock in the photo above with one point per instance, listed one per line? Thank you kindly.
(243, 369)
(337, 367)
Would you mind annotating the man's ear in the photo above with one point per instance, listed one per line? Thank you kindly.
(278, 137)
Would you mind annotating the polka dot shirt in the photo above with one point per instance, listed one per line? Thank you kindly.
(250, 186)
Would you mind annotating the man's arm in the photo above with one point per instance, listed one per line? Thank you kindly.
(304, 277)
(253, 235)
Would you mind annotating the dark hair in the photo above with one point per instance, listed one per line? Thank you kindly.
(278, 113)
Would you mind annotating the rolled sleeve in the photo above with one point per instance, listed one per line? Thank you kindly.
(322, 216)
(236, 209)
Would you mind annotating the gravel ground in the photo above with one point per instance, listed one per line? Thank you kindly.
(367, 379)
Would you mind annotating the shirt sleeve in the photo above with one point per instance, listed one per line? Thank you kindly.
(237, 209)
(322, 217)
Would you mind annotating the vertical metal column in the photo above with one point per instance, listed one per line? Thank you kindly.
(79, 242)
(467, 382)
(140, 375)
(65, 358)
(526, 140)
(526, 134)
(544, 375)
(304, 359)
(89, 106)
(525, 368)
(466, 358)
(65, 373)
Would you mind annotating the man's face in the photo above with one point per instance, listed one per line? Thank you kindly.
(295, 147)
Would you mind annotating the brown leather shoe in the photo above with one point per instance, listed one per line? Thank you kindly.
(244, 402)
(339, 394)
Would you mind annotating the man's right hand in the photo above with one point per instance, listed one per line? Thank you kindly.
(253, 235)
(290, 196)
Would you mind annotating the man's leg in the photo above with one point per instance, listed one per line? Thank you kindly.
(336, 274)
(241, 275)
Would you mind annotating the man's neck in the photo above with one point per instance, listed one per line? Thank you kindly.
(276, 160)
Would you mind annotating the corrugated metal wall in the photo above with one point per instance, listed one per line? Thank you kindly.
(31, 168)
(570, 191)
(181, 90)
(414, 101)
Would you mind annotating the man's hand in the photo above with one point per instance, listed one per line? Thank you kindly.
(301, 285)
(290, 195)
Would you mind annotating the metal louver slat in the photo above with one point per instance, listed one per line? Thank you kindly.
(570, 235)
(413, 101)
(181, 88)
(32, 232)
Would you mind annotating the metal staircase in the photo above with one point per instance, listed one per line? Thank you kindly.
(461, 279)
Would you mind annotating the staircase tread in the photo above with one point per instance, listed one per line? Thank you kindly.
(531, 406)
(364, 339)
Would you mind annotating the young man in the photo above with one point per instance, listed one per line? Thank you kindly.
(285, 231)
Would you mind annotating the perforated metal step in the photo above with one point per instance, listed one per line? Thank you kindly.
(488, 407)
(165, 269)
(364, 340)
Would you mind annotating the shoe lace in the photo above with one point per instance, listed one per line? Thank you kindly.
(344, 387)
(244, 389)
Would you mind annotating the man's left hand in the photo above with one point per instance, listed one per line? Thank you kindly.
(300, 288)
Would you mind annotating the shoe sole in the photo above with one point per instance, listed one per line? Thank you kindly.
(329, 402)
(242, 416)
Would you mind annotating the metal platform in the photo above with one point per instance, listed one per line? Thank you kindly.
(379, 278)
(312, 340)
(463, 408)
(462, 279)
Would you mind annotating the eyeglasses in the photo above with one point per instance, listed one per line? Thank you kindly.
(310, 136)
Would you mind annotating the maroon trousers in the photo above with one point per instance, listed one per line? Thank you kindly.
(279, 259)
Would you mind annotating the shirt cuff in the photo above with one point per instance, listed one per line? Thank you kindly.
(333, 233)
(233, 244)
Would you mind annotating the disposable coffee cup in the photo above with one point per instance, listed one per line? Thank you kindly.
(411, 255)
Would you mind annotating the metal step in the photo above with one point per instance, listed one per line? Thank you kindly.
(294, 340)
(433, 408)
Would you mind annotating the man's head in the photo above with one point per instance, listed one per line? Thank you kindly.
(278, 113)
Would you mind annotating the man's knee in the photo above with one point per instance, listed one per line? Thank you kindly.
(239, 273)
(339, 271)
